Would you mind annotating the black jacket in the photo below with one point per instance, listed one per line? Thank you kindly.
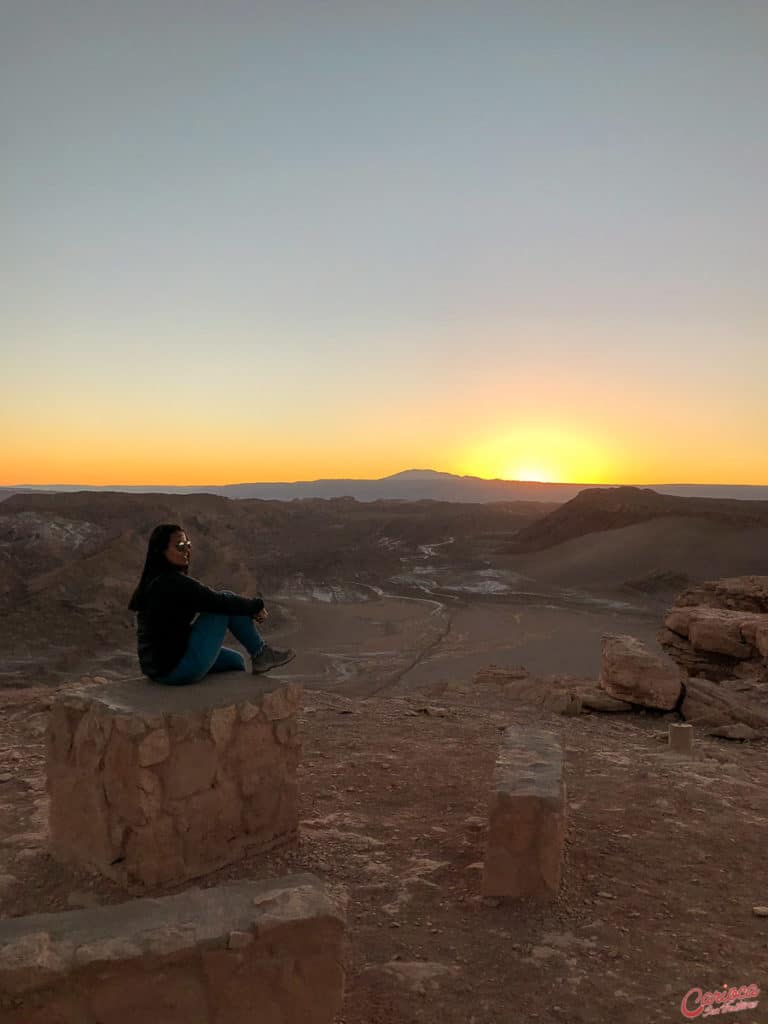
(170, 602)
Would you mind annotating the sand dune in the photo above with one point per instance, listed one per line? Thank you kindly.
(601, 509)
(695, 548)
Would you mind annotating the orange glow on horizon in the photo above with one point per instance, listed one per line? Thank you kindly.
(91, 458)
(530, 473)
(541, 454)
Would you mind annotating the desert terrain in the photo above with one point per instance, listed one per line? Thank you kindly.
(376, 597)
(395, 608)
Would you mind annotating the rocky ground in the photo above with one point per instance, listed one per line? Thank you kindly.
(665, 858)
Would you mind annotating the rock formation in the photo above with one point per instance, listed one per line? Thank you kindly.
(718, 635)
(719, 630)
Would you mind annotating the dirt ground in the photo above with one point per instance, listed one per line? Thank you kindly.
(396, 644)
(665, 859)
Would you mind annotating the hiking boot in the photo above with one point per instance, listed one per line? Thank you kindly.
(269, 658)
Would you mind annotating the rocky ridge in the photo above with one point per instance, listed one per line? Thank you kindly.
(596, 509)
(719, 630)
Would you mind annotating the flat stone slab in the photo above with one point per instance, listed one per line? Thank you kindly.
(598, 700)
(527, 816)
(154, 785)
(202, 957)
(139, 695)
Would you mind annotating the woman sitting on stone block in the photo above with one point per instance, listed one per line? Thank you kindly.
(172, 648)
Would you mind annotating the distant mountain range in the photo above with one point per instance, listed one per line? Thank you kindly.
(412, 485)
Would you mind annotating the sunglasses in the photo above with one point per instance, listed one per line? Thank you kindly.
(184, 545)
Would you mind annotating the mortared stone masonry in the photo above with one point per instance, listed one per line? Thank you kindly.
(153, 785)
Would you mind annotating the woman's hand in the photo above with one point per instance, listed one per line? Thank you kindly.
(262, 615)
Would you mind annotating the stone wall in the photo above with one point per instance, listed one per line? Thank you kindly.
(526, 832)
(268, 951)
(154, 784)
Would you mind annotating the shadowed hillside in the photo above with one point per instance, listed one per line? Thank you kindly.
(598, 509)
(55, 539)
(68, 562)
(658, 557)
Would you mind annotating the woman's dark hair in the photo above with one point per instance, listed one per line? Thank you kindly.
(155, 562)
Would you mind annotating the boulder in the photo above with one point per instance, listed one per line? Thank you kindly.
(563, 703)
(737, 731)
(632, 673)
(499, 675)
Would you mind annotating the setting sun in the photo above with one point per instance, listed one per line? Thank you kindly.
(539, 453)
(529, 472)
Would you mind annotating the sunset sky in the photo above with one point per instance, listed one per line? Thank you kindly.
(250, 241)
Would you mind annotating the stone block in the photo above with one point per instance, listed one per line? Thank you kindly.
(154, 784)
(681, 739)
(154, 748)
(221, 724)
(202, 957)
(527, 816)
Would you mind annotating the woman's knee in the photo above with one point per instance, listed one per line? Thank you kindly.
(211, 619)
(228, 661)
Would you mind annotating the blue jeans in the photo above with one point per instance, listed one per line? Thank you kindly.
(204, 652)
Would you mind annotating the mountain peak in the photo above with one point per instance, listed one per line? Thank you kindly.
(418, 474)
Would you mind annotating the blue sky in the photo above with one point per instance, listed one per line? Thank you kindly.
(381, 221)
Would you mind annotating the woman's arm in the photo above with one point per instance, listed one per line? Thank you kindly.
(198, 598)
